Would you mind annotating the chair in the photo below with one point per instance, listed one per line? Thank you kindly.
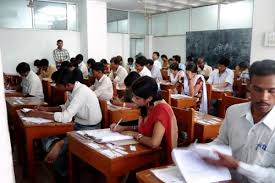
(59, 96)
(186, 124)
(46, 84)
(164, 73)
(105, 113)
(166, 95)
(209, 95)
(227, 101)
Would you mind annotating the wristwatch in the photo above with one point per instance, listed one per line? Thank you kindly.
(139, 136)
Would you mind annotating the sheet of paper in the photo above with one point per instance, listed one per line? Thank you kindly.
(36, 120)
(125, 142)
(179, 96)
(169, 175)
(195, 170)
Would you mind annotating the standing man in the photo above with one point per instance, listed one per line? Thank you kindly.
(203, 68)
(248, 128)
(59, 54)
(155, 58)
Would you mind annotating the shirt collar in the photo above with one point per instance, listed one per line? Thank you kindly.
(76, 86)
(30, 74)
(102, 78)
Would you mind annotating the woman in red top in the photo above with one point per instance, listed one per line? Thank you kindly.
(157, 122)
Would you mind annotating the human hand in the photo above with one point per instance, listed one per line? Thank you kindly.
(116, 128)
(223, 160)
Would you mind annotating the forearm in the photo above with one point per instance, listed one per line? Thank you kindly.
(220, 85)
(148, 141)
(191, 88)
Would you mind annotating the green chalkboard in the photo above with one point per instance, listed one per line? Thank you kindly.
(234, 44)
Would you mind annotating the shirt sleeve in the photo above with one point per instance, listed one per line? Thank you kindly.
(55, 56)
(211, 77)
(257, 173)
(67, 56)
(229, 78)
(33, 88)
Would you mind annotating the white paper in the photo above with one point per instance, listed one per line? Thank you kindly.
(169, 175)
(179, 96)
(36, 120)
(194, 169)
(26, 110)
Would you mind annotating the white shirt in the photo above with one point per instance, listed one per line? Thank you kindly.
(206, 71)
(103, 88)
(83, 105)
(145, 72)
(155, 72)
(120, 75)
(83, 67)
(32, 85)
(174, 79)
(252, 144)
(157, 63)
(226, 77)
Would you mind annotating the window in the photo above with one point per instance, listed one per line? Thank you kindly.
(138, 23)
(117, 21)
(72, 17)
(178, 22)
(159, 24)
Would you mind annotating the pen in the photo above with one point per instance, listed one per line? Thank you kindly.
(118, 123)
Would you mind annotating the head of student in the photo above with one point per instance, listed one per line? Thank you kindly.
(191, 70)
(150, 64)
(44, 64)
(115, 62)
(104, 61)
(262, 86)
(98, 70)
(59, 44)
(140, 63)
(223, 63)
(130, 61)
(164, 57)
(145, 93)
(36, 63)
(177, 59)
(79, 58)
(201, 62)
(23, 69)
(90, 63)
(130, 78)
(65, 79)
(73, 64)
(120, 59)
(243, 66)
(155, 55)
(174, 68)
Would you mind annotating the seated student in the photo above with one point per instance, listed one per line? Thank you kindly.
(90, 64)
(81, 65)
(31, 84)
(195, 86)
(120, 60)
(46, 70)
(64, 65)
(248, 128)
(107, 68)
(165, 62)
(103, 86)
(244, 71)
(126, 101)
(177, 59)
(176, 74)
(157, 123)
(130, 64)
(73, 66)
(82, 106)
(36, 63)
(155, 71)
(141, 68)
(222, 78)
(203, 68)
(118, 73)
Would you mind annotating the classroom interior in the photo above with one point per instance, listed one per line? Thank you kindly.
(216, 31)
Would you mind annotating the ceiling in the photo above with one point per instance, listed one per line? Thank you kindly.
(158, 6)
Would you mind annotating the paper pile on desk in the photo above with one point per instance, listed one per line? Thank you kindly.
(36, 120)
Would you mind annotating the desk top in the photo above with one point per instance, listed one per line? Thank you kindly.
(25, 101)
(13, 93)
(207, 119)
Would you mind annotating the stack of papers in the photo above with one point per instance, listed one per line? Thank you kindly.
(104, 135)
(169, 175)
(194, 169)
(179, 96)
(36, 120)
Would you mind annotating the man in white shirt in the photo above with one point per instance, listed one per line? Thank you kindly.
(81, 65)
(141, 68)
(248, 128)
(203, 68)
(177, 59)
(31, 84)
(82, 105)
(155, 70)
(223, 77)
(118, 73)
(155, 58)
(103, 86)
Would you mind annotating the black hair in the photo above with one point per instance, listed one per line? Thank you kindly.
(262, 68)
(130, 78)
(150, 62)
(23, 67)
(36, 63)
(192, 67)
(91, 61)
(157, 53)
(177, 58)
(189, 58)
(73, 63)
(174, 67)
(98, 66)
(224, 61)
(79, 58)
(164, 56)
(130, 60)
(59, 40)
(141, 60)
(243, 65)
(119, 58)
(65, 64)
(115, 60)
(146, 87)
(64, 76)
(44, 62)
(104, 61)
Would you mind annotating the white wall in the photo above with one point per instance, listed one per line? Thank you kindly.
(263, 21)
(118, 44)
(172, 45)
(20, 45)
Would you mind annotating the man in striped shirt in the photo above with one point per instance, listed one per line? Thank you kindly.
(59, 54)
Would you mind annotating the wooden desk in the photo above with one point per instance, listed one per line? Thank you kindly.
(218, 94)
(183, 102)
(166, 85)
(117, 112)
(34, 131)
(147, 176)
(13, 93)
(206, 126)
(111, 168)
(120, 91)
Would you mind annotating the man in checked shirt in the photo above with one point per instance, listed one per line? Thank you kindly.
(59, 54)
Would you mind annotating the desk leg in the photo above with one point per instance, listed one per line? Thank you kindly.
(30, 158)
(72, 169)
